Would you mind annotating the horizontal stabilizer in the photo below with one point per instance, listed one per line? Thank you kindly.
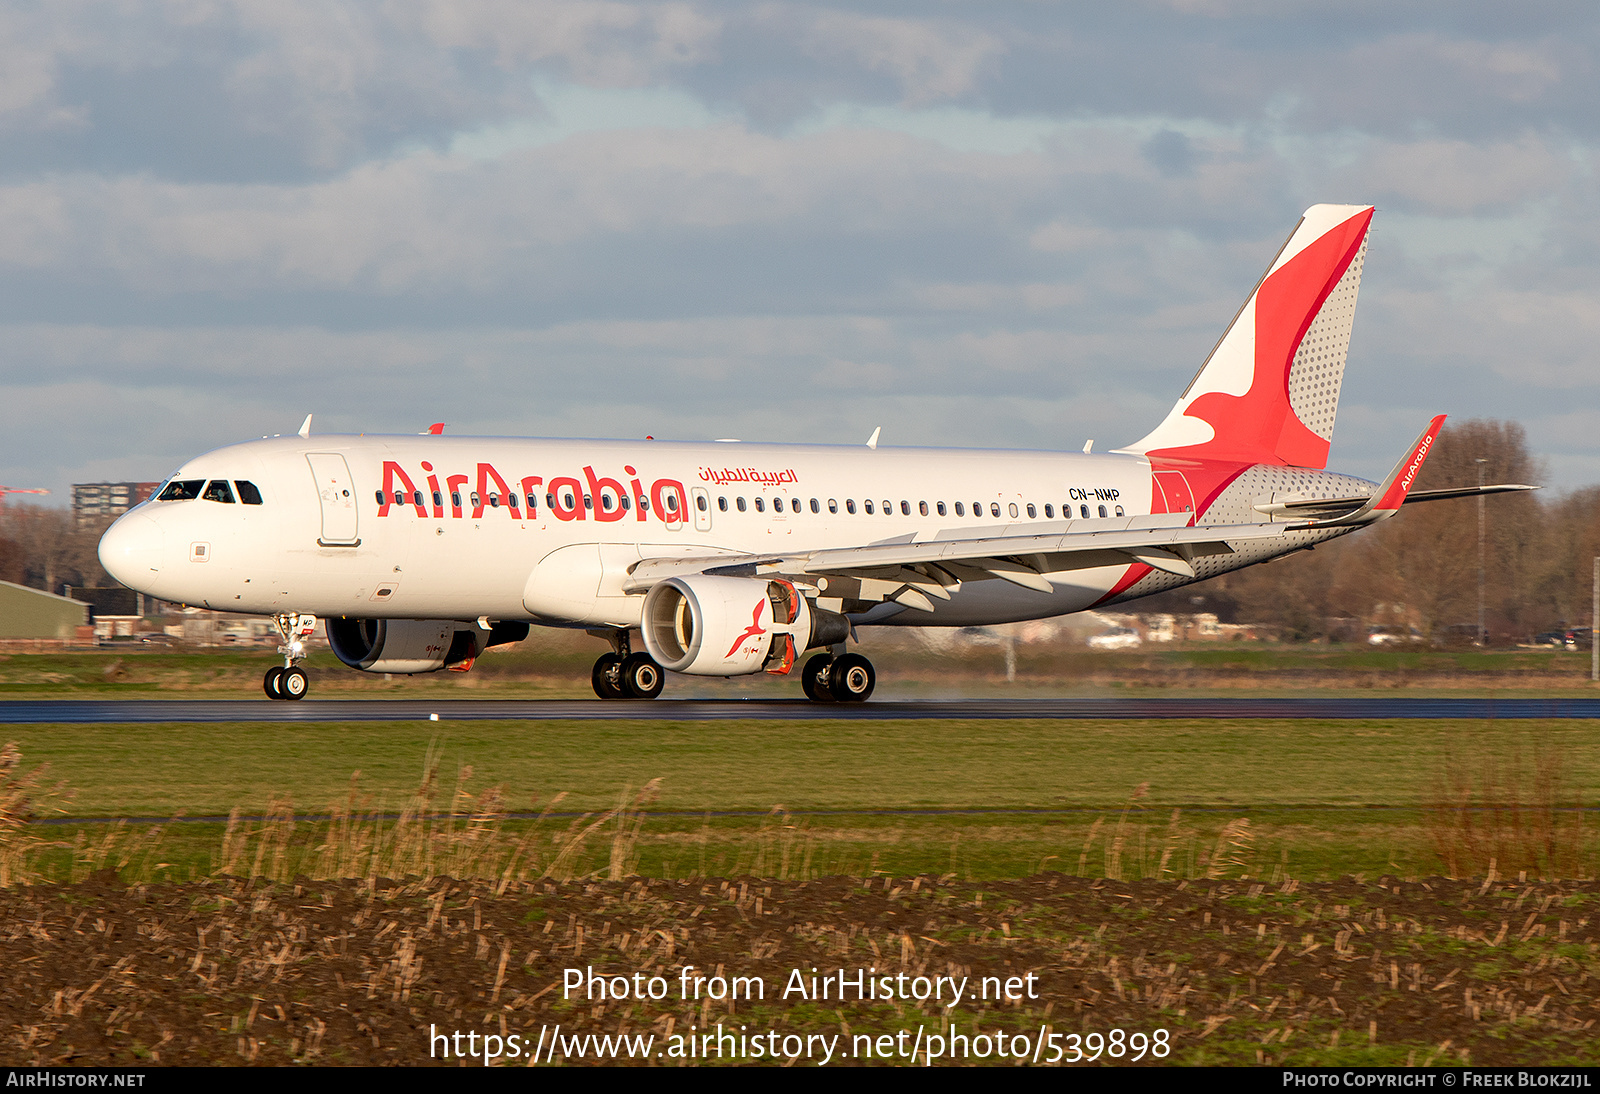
(1466, 492)
(1332, 506)
(1391, 494)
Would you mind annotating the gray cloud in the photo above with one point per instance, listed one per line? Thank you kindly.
(293, 89)
(780, 221)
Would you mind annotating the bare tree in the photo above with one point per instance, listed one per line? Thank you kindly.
(1421, 568)
(13, 561)
(54, 550)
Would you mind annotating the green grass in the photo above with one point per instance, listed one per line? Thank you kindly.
(1322, 799)
(800, 846)
(208, 769)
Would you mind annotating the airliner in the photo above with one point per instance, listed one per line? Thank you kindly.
(420, 552)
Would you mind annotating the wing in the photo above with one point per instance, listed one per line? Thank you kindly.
(911, 570)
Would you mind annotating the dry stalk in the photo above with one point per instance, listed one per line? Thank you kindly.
(1234, 843)
(24, 795)
(1174, 835)
(1088, 842)
(630, 825)
(1114, 851)
(562, 867)
(1487, 809)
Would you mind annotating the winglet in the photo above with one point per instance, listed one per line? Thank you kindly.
(872, 441)
(305, 427)
(1391, 495)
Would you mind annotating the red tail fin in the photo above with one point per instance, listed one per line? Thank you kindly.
(1270, 389)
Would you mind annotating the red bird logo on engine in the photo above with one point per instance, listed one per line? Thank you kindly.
(752, 631)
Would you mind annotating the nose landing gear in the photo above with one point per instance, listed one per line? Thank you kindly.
(289, 681)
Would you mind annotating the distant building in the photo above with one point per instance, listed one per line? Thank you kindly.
(30, 613)
(93, 501)
(113, 601)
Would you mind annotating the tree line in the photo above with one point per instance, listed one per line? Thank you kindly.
(46, 548)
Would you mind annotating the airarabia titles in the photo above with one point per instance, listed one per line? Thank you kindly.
(591, 497)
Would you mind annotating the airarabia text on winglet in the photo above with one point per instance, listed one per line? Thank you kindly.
(1416, 463)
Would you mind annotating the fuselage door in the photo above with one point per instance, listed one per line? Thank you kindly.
(336, 493)
(1173, 489)
(670, 502)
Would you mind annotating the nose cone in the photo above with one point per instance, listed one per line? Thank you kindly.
(131, 551)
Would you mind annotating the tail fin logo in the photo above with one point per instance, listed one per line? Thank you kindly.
(1268, 392)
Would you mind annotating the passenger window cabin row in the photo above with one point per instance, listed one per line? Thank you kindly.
(608, 504)
(888, 508)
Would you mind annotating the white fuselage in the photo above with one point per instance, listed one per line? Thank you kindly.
(463, 542)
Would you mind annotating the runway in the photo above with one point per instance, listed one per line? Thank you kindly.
(70, 711)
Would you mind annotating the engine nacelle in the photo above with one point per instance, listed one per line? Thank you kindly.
(733, 626)
(414, 645)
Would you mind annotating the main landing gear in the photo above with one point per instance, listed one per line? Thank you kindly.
(289, 681)
(826, 678)
(848, 678)
(622, 674)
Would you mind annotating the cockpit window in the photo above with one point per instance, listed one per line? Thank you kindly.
(219, 490)
(182, 490)
(248, 492)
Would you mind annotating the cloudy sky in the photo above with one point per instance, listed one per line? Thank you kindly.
(983, 224)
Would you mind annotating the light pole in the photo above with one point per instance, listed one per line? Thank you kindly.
(1594, 626)
(1483, 641)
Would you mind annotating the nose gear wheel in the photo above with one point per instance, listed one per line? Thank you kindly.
(289, 680)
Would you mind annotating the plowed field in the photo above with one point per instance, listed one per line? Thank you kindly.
(228, 971)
